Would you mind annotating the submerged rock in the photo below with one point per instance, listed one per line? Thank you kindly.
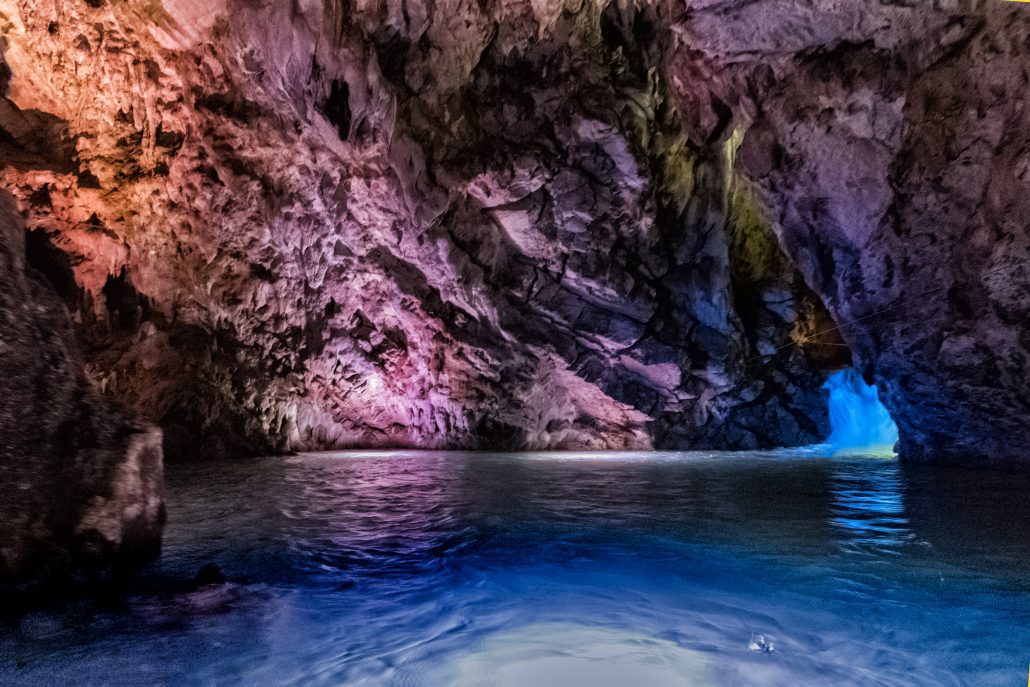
(208, 574)
(82, 480)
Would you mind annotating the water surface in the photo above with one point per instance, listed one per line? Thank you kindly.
(540, 570)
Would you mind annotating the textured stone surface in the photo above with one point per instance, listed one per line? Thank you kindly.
(82, 481)
(522, 224)
(891, 142)
(421, 224)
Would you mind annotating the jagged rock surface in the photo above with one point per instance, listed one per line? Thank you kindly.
(82, 481)
(523, 224)
(891, 143)
(312, 225)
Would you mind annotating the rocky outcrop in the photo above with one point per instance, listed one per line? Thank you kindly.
(891, 143)
(525, 224)
(82, 481)
(475, 225)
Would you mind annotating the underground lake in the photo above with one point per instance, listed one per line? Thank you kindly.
(792, 567)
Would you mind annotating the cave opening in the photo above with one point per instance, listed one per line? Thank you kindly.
(858, 418)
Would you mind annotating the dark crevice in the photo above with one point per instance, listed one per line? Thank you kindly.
(53, 263)
(337, 107)
(127, 308)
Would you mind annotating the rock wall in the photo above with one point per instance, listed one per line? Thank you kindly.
(434, 224)
(82, 481)
(548, 224)
(891, 143)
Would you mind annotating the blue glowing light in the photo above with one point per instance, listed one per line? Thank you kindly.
(858, 420)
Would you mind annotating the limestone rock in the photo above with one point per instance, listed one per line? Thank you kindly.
(315, 225)
(563, 224)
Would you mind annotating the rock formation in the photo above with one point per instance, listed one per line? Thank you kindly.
(525, 224)
(891, 144)
(82, 481)
(462, 226)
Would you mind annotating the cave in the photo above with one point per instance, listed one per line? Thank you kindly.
(520, 343)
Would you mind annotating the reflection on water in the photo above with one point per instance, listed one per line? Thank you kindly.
(868, 509)
(436, 569)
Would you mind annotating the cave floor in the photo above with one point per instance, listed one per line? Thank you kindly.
(432, 568)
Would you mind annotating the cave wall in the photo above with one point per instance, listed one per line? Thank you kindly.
(554, 224)
(891, 144)
(82, 478)
(432, 224)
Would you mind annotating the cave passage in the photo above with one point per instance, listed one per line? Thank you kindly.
(858, 419)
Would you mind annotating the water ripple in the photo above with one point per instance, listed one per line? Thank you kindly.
(436, 569)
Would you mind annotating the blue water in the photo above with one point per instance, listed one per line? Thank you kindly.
(557, 570)
(858, 420)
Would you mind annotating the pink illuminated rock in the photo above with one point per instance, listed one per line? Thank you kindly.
(319, 225)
